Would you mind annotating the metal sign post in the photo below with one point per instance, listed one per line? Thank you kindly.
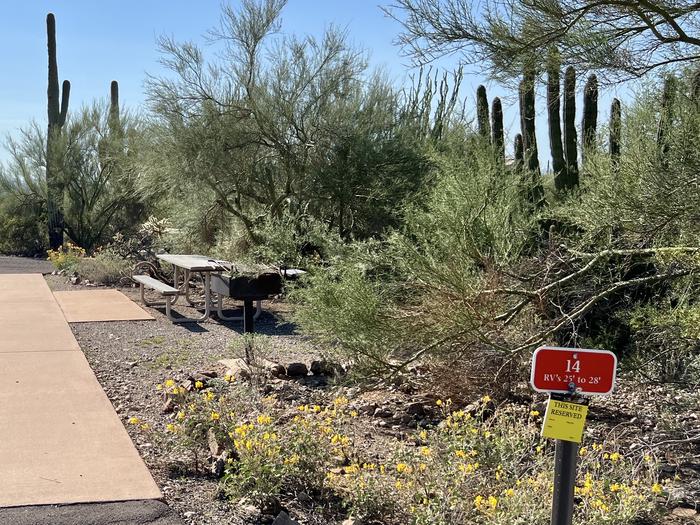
(565, 457)
(567, 374)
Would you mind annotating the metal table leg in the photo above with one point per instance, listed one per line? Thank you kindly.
(220, 310)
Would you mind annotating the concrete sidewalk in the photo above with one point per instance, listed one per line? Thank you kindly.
(61, 442)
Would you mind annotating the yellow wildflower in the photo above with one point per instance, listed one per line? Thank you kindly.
(486, 399)
(215, 416)
(534, 413)
(264, 419)
(198, 384)
(656, 488)
(133, 420)
(169, 383)
(170, 427)
(180, 415)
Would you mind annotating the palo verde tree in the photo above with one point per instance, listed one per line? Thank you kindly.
(278, 125)
(620, 40)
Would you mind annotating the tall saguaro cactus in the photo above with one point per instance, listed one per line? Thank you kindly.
(527, 125)
(114, 124)
(570, 139)
(482, 112)
(497, 136)
(666, 117)
(590, 115)
(555, 144)
(57, 112)
(615, 132)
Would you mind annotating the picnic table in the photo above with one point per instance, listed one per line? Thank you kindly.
(184, 266)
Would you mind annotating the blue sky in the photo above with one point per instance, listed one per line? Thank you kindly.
(102, 41)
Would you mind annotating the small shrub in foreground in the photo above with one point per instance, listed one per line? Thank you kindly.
(66, 257)
(470, 469)
(105, 267)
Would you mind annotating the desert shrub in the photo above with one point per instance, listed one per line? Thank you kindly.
(395, 302)
(67, 257)
(268, 454)
(95, 165)
(152, 236)
(22, 225)
(666, 342)
(476, 270)
(472, 467)
(105, 267)
(286, 241)
(498, 471)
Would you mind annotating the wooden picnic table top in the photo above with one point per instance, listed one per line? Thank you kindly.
(195, 263)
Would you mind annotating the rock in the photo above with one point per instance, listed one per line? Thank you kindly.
(272, 506)
(207, 373)
(272, 368)
(415, 409)
(304, 498)
(75, 279)
(215, 448)
(684, 512)
(297, 370)
(237, 368)
(327, 368)
(351, 521)
(383, 412)
(130, 364)
(368, 409)
(219, 465)
(284, 519)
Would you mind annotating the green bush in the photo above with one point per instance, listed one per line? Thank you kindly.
(105, 267)
(23, 226)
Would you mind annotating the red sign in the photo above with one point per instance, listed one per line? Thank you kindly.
(567, 370)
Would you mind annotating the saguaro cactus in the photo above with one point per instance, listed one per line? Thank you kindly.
(590, 115)
(57, 113)
(666, 116)
(570, 139)
(497, 138)
(615, 132)
(482, 112)
(555, 144)
(114, 124)
(527, 124)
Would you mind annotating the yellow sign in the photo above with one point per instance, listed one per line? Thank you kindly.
(564, 420)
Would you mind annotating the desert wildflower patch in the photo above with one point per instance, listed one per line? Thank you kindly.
(471, 468)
